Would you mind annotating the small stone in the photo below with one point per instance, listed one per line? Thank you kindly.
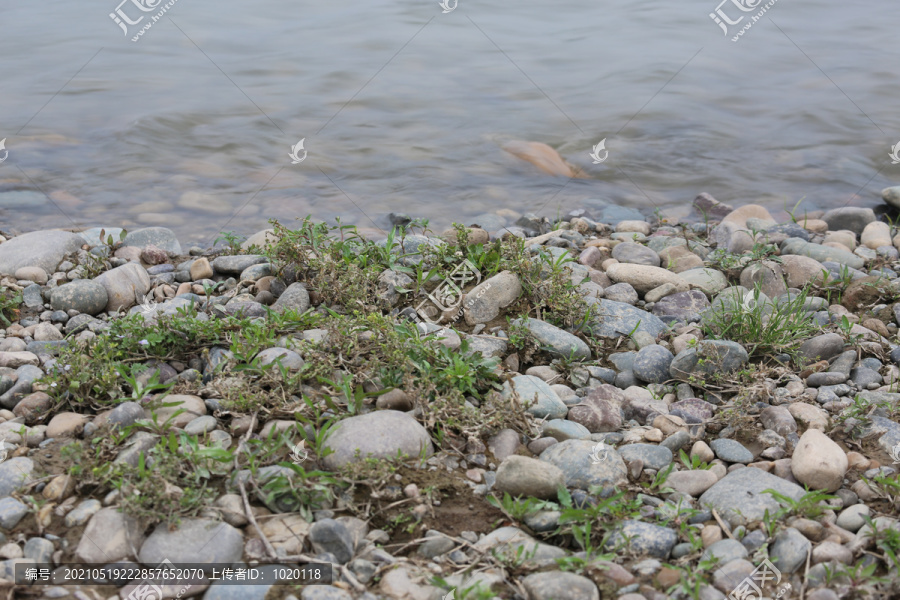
(536, 396)
(702, 451)
(191, 542)
(380, 434)
(329, 535)
(109, 536)
(522, 476)
(83, 295)
(644, 278)
(851, 218)
(692, 483)
(560, 585)
(483, 303)
(875, 235)
(11, 512)
(789, 550)
(644, 538)
(201, 269)
(66, 424)
(851, 518)
(153, 255)
(632, 253)
(731, 451)
(295, 298)
(651, 364)
(819, 462)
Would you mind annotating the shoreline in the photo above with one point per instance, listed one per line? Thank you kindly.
(626, 378)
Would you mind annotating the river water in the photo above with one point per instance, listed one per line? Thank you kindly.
(402, 108)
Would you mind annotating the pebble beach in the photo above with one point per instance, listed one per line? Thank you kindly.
(608, 405)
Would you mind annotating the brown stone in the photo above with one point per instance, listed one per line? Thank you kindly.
(600, 409)
(66, 424)
(33, 407)
(153, 255)
(395, 399)
(864, 292)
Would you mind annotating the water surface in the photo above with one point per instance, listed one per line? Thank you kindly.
(402, 109)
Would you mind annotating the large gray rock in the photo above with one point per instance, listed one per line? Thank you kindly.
(891, 195)
(11, 512)
(536, 396)
(685, 307)
(632, 253)
(822, 253)
(328, 535)
(14, 474)
(653, 457)
(110, 536)
(237, 263)
(852, 218)
(44, 249)
(651, 364)
(379, 434)
(818, 462)
(709, 357)
(644, 278)
(611, 319)
(484, 302)
(512, 541)
(557, 342)
(160, 237)
(600, 409)
(83, 295)
(124, 286)
(560, 585)
(295, 297)
(820, 347)
(577, 460)
(523, 476)
(739, 499)
(643, 538)
(886, 431)
(193, 541)
(708, 281)
(788, 552)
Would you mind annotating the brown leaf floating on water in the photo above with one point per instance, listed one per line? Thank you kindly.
(543, 157)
